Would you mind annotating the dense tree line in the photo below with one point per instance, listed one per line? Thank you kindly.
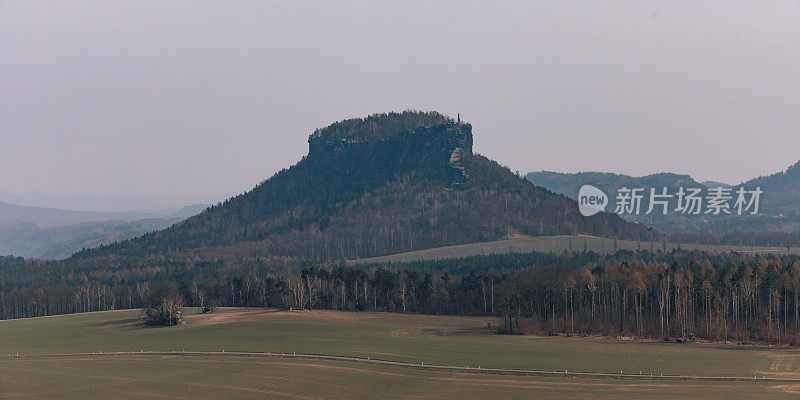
(35, 273)
(680, 295)
(341, 288)
(759, 238)
(756, 300)
(10, 260)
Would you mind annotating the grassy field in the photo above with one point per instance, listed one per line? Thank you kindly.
(558, 244)
(247, 378)
(463, 341)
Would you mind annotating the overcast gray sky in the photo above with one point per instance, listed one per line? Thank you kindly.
(181, 102)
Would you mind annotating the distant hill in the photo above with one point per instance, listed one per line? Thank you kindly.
(384, 184)
(55, 242)
(713, 184)
(140, 203)
(53, 216)
(49, 233)
(781, 191)
(568, 184)
(779, 208)
(183, 212)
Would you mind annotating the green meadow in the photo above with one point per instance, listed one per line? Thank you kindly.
(559, 244)
(27, 369)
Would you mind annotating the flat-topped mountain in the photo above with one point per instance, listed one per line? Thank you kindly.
(383, 184)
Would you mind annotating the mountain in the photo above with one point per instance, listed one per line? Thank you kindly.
(779, 205)
(384, 184)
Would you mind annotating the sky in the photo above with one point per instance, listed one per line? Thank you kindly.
(150, 104)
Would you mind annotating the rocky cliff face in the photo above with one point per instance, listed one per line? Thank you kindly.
(436, 150)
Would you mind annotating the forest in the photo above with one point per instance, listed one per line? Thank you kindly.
(679, 295)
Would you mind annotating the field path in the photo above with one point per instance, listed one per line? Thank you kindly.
(455, 368)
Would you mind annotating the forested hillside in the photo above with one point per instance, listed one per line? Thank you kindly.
(383, 184)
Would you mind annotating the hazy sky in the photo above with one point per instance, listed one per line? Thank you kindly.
(196, 101)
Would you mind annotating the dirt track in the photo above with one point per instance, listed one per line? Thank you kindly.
(452, 368)
(422, 321)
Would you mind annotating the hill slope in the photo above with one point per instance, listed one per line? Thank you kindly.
(569, 183)
(51, 233)
(29, 240)
(781, 191)
(779, 206)
(384, 184)
(54, 216)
